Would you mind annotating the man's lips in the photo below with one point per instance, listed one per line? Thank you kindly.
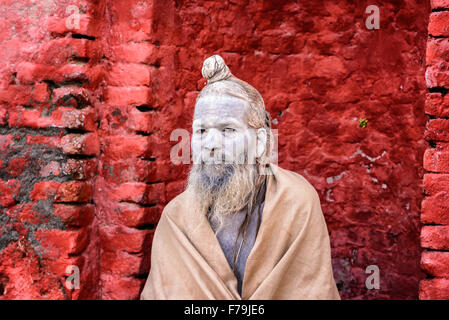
(213, 161)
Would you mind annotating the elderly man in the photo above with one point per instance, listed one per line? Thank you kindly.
(244, 228)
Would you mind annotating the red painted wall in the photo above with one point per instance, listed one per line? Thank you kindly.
(435, 210)
(86, 116)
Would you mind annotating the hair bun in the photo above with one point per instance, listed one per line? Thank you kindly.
(215, 69)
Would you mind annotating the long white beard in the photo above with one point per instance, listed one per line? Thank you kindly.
(223, 188)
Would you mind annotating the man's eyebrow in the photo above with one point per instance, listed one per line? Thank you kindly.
(221, 123)
(197, 123)
(229, 121)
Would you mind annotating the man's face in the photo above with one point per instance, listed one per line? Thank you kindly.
(221, 134)
(224, 173)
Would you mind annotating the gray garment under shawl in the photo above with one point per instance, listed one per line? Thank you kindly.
(226, 237)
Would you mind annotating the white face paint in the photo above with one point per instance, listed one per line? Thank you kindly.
(221, 133)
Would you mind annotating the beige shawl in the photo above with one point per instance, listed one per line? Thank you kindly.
(291, 257)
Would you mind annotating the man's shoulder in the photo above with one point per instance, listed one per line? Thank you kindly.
(177, 202)
(298, 198)
(294, 184)
(177, 205)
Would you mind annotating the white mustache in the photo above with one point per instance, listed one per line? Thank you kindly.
(220, 157)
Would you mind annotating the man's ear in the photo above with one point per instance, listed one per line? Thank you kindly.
(261, 142)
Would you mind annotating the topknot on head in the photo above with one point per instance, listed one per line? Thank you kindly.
(215, 69)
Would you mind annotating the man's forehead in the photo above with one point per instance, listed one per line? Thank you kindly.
(222, 106)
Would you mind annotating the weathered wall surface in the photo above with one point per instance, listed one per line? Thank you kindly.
(435, 209)
(48, 151)
(86, 116)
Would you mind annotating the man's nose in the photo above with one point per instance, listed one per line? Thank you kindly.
(212, 141)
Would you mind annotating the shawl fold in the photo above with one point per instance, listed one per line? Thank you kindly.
(290, 259)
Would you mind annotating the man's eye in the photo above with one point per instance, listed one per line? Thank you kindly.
(200, 131)
(229, 130)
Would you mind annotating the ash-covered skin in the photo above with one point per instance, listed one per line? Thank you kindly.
(221, 137)
(221, 134)
(226, 237)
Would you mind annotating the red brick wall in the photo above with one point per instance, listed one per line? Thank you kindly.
(86, 116)
(435, 206)
(49, 148)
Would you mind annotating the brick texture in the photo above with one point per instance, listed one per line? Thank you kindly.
(435, 205)
(86, 115)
